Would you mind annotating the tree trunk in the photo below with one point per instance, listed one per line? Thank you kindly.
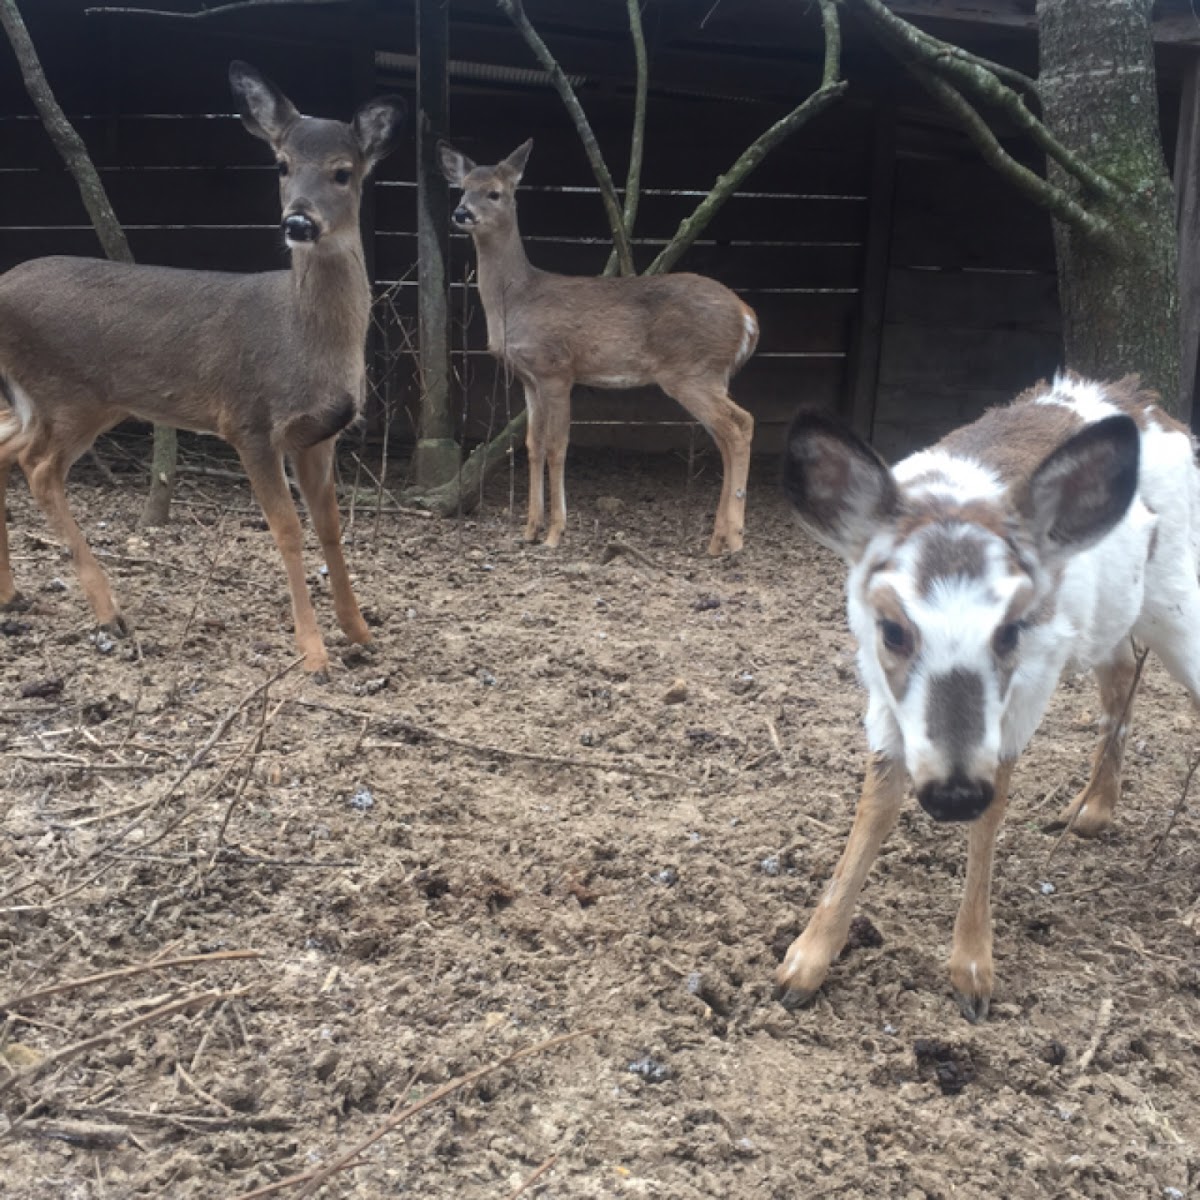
(1120, 305)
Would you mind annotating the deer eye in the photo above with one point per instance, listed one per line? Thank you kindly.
(342, 175)
(493, 195)
(896, 638)
(283, 167)
(1005, 639)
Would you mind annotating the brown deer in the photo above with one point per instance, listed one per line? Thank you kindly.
(1040, 539)
(271, 362)
(686, 333)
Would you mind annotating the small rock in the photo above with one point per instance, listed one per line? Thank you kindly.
(651, 1070)
(363, 800)
(54, 585)
(1047, 888)
(12, 628)
(485, 677)
(771, 865)
(706, 604)
(668, 876)
(677, 693)
(1054, 1053)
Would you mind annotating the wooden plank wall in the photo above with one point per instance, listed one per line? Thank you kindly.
(970, 312)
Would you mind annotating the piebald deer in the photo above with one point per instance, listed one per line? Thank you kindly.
(1018, 547)
(686, 333)
(272, 362)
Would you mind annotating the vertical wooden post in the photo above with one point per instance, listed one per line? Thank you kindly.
(1187, 220)
(867, 339)
(437, 454)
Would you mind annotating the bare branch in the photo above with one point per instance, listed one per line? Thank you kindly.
(202, 13)
(64, 136)
(515, 11)
(982, 78)
(1055, 200)
(637, 140)
(831, 88)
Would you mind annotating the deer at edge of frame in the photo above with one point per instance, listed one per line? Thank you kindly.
(271, 362)
(980, 570)
(686, 333)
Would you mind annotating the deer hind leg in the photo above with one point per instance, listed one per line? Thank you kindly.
(971, 972)
(265, 469)
(732, 428)
(314, 473)
(1090, 813)
(535, 448)
(807, 961)
(556, 403)
(46, 459)
(8, 587)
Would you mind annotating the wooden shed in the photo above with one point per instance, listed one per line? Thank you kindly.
(896, 277)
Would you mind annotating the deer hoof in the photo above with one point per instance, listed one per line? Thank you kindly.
(115, 627)
(1086, 817)
(800, 975)
(972, 984)
(974, 1008)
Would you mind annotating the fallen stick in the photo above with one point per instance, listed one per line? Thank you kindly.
(154, 964)
(313, 1179)
(534, 1177)
(195, 1123)
(1100, 1028)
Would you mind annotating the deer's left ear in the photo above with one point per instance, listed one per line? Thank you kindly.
(842, 491)
(377, 127)
(1082, 489)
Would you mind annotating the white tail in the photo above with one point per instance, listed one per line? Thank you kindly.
(272, 363)
(979, 571)
(686, 333)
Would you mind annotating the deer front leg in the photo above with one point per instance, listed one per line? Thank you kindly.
(314, 473)
(1091, 812)
(265, 469)
(971, 972)
(557, 426)
(807, 961)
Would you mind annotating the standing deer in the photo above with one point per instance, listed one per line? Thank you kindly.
(686, 333)
(272, 362)
(980, 570)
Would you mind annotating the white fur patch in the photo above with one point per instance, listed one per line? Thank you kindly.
(1087, 400)
(749, 335)
(19, 418)
(936, 473)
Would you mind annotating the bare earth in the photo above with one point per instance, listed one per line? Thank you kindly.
(493, 828)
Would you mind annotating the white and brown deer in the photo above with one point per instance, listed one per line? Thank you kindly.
(1021, 546)
(686, 333)
(271, 362)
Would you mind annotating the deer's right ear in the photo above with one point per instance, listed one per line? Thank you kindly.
(516, 161)
(456, 167)
(842, 491)
(265, 110)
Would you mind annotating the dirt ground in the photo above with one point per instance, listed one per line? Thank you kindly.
(500, 824)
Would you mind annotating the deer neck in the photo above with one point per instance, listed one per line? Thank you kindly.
(331, 298)
(503, 272)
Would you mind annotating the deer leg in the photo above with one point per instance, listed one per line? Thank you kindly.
(8, 587)
(47, 476)
(1091, 812)
(557, 425)
(971, 972)
(314, 473)
(265, 470)
(535, 448)
(732, 428)
(807, 961)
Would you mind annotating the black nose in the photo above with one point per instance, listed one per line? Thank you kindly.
(463, 216)
(958, 799)
(299, 227)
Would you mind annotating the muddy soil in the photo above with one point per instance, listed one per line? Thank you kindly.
(576, 792)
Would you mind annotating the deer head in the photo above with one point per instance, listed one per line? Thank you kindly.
(489, 193)
(952, 585)
(322, 163)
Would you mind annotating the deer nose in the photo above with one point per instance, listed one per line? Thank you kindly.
(300, 227)
(956, 799)
(463, 216)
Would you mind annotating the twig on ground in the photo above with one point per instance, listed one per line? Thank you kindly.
(520, 1191)
(310, 1181)
(264, 724)
(1099, 1029)
(197, 1090)
(267, 1122)
(89, 1135)
(617, 547)
(1180, 805)
(154, 964)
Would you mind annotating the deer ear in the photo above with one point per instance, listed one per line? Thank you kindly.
(265, 110)
(377, 127)
(516, 161)
(842, 491)
(456, 167)
(1081, 490)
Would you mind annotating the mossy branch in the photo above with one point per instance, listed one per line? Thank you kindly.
(515, 11)
(983, 78)
(1049, 197)
(830, 90)
(637, 139)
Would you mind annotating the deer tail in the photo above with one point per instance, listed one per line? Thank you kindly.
(749, 336)
(15, 421)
